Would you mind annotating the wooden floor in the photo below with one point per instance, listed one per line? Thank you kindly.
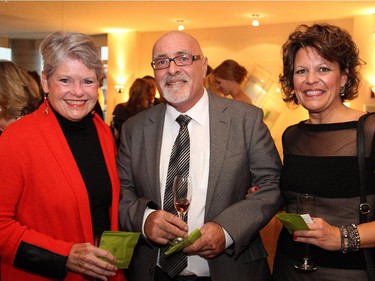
(269, 234)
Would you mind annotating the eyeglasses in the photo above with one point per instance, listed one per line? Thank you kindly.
(181, 60)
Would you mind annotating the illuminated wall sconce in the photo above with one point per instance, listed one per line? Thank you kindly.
(119, 89)
(181, 26)
(255, 21)
(372, 90)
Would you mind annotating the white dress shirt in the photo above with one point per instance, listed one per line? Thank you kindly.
(199, 132)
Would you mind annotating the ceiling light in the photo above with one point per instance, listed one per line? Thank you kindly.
(180, 25)
(255, 21)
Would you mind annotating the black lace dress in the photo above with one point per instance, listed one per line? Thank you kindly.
(322, 160)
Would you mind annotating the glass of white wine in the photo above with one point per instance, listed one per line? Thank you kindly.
(305, 205)
(182, 191)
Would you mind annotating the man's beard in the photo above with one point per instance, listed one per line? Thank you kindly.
(176, 95)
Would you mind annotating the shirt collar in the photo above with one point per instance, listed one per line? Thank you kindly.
(195, 112)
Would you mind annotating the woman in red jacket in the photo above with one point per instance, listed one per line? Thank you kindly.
(60, 187)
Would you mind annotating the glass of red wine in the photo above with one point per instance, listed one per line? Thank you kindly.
(182, 198)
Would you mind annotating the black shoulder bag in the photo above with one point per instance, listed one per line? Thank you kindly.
(364, 207)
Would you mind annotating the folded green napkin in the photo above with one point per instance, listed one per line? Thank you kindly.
(121, 244)
(186, 242)
(292, 222)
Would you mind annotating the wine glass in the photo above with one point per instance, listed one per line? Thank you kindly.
(305, 205)
(181, 197)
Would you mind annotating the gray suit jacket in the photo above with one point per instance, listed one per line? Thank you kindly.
(242, 154)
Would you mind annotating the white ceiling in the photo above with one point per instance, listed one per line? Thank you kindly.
(35, 19)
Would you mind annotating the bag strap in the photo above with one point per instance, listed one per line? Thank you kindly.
(364, 207)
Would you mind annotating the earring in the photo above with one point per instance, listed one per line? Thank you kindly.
(45, 111)
(342, 91)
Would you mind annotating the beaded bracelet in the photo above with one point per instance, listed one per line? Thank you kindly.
(350, 240)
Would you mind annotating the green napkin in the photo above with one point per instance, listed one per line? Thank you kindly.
(121, 244)
(292, 222)
(186, 242)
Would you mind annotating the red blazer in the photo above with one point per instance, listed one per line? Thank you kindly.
(43, 198)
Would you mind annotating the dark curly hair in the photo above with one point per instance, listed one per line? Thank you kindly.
(333, 44)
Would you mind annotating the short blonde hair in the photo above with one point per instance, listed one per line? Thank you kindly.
(58, 46)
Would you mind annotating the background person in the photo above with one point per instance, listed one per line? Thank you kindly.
(152, 99)
(230, 150)
(35, 75)
(228, 77)
(60, 186)
(139, 93)
(320, 72)
(19, 93)
(210, 83)
(100, 104)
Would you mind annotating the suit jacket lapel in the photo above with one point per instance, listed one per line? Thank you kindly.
(219, 132)
(153, 133)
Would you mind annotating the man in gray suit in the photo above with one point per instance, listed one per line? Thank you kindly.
(230, 150)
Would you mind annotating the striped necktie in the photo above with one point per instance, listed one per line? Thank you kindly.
(178, 165)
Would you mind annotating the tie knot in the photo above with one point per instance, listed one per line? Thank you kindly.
(183, 120)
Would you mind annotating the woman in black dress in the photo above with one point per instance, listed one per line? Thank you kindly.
(320, 72)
